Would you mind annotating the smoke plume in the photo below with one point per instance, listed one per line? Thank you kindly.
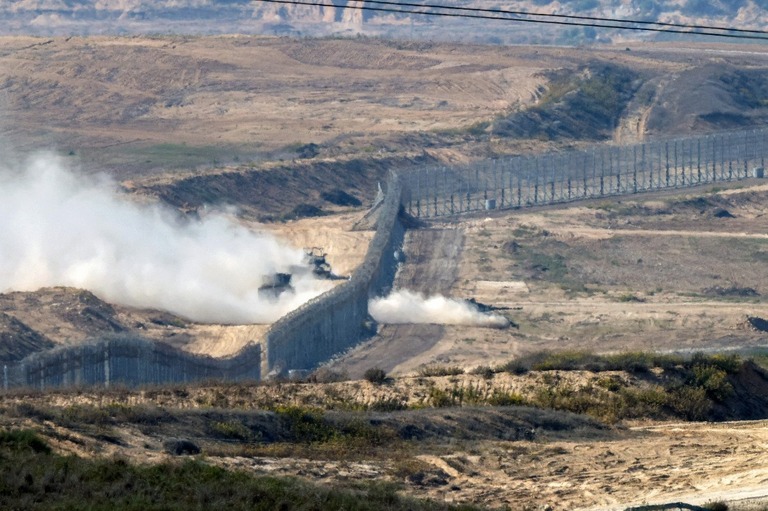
(405, 306)
(62, 228)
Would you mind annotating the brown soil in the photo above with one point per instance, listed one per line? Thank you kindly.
(431, 269)
(169, 115)
(647, 273)
(34, 321)
(516, 456)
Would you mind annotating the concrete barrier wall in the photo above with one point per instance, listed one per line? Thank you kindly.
(321, 328)
(336, 320)
(127, 361)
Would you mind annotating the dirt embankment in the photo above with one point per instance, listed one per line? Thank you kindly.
(441, 448)
(302, 189)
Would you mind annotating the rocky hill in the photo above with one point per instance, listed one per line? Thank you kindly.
(87, 17)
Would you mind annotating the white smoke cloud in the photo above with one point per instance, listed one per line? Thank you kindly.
(61, 228)
(405, 306)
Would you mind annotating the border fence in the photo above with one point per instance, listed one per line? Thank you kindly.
(599, 171)
(129, 362)
(337, 320)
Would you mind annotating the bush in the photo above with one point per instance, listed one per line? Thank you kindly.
(440, 370)
(439, 398)
(713, 380)
(516, 366)
(499, 398)
(731, 364)
(23, 440)
(375, 375)
(306, 424)
(325, 375)
(233, 430)
(486, 372)
(391, 404)
(632, 362)
(690, 402)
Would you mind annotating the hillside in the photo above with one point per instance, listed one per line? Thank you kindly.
(312, 127)
(167, 109)
(622, 295)
(505, 436)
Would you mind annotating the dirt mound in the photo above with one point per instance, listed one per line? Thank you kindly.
(39, 320)
(582, 104)
(715, 96)
(749, 399)
(60, 313)
(312, 185)
(17, 340)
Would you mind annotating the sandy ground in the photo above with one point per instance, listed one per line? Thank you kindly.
(108, 97)
(694, 463)
(660, 306)
(637, 463)
(344, 248)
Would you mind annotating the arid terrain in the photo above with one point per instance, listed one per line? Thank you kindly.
(666, 273)
(278, 127)
(450, 438)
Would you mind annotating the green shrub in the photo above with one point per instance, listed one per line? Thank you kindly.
(690, 403)
(501, 398)
(233, 430)
(609, 383)
(730, 364)
(440, 370)
(713, 380)
(440, 398)
(23, 440)
(391, 404)
(306, 424)
(486, 372)
(633, 362)
(517, 367)
(375, 375)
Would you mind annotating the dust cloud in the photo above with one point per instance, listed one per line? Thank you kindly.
(63, 228)
(405, 306)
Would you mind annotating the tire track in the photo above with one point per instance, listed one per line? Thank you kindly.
(431, 267)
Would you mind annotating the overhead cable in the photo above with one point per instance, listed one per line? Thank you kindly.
(516, 16)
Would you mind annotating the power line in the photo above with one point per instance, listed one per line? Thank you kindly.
(568, 16)
(668, 28)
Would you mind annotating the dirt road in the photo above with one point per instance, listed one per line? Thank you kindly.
(692, 463)
(431, 267)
